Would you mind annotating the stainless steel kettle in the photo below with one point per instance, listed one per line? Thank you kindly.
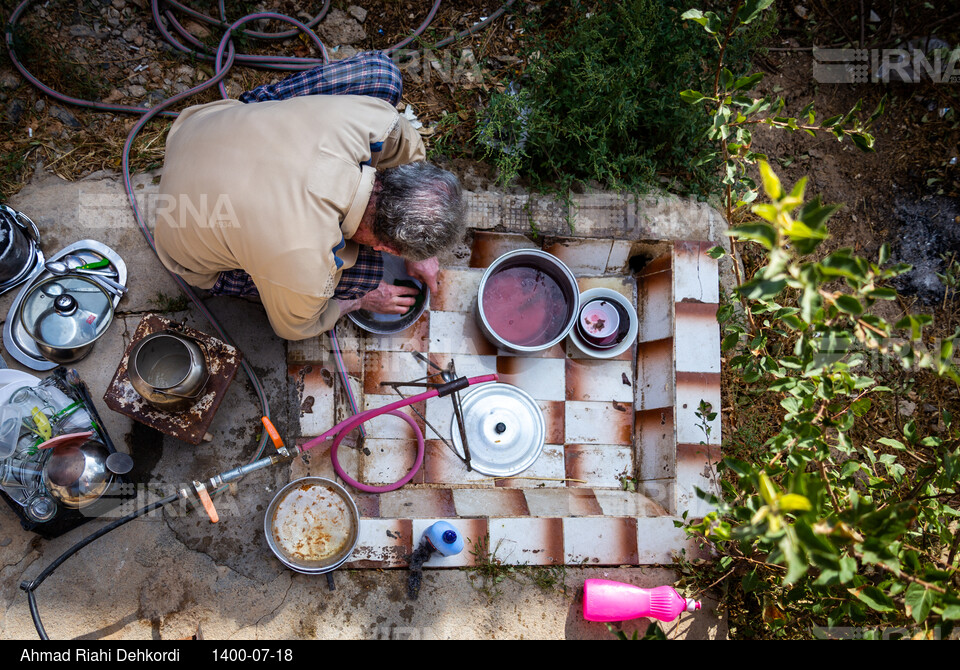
(168, 369)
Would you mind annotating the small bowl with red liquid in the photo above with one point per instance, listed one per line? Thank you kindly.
(528, 301)
(624, 335)
(599, 323)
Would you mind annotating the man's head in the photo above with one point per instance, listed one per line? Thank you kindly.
(419, 210)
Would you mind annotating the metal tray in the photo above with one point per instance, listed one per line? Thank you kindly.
(16, 341)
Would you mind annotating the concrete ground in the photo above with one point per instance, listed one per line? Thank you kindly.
(169, 574)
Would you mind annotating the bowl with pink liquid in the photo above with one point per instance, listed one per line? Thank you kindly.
(527, 302)
(607, 324)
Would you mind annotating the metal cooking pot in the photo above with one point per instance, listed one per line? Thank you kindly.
(15, 247)
(65, 316)
(312, 525)
(168, 369)
(78, 475)
(550, 266)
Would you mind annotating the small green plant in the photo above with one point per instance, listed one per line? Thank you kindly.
(167, 303)
(488, 571)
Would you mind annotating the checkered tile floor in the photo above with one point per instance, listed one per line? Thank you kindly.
(615, 464)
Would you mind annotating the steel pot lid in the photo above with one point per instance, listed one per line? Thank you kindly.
(66, 312)
(505, 429)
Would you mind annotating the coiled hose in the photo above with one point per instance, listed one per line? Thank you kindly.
(224, 58)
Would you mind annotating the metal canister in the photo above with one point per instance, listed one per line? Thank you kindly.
(312, 525)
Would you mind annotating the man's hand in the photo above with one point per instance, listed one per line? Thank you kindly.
(426, 271)
(389, 299)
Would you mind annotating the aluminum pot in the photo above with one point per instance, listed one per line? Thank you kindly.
(168, 369)
(312, 525)
(565, 313)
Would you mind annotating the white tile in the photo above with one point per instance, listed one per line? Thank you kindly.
(599, 466)
(457, 333)
(527, 541)
(542, 378)
(658, 540)
(692, 429)
(696, 275)
(697, 338)
(387, 461)
(589, 379)
(599, 423)
(547, 471)
(604, 541)
(388, 426)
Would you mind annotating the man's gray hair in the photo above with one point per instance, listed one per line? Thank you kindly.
(419, 210)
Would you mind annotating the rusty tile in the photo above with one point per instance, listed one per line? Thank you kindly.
(490, 502)
(562, 502)
(599, 423)
(527, 541)
(488, 247)
(414, 338)
(383, 543)
(442, 466)
(607, 541)
(417, 503)
(554, 415)
(598, 466)
(458, 290)
(389, 366)
(367, 503)
(599, 380)
(655, 444)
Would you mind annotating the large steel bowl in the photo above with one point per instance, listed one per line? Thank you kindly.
(312, 525)
(551, 266)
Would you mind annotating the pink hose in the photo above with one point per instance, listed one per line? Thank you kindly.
(342, 429)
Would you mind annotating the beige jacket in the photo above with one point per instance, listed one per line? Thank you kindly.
(276, 189)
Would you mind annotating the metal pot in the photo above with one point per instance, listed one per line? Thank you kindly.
(312, 525)
(16, 250)
(78, 475)
(551, 267)
(65, 316)
(168, 369)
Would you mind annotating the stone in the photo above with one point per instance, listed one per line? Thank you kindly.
(359, 13)
(15, 110)
(341, 28)
(130, 34)
(136, 91)
(9, 79)
(65, 117)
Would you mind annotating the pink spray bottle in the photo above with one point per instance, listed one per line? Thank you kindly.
(606, 600)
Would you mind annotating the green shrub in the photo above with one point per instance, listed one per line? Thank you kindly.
(599, 98)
